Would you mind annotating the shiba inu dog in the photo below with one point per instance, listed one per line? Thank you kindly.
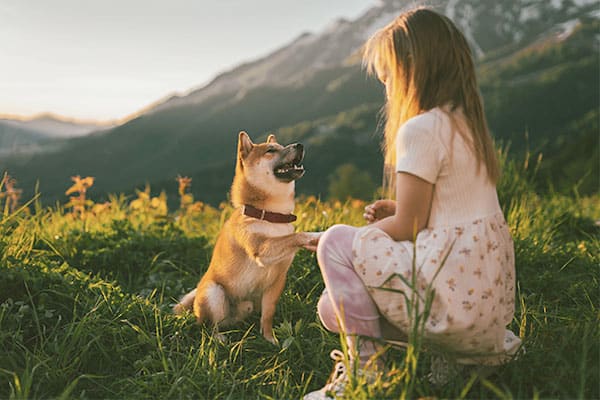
(257, 244)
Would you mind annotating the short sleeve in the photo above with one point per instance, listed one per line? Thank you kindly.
(419, 152)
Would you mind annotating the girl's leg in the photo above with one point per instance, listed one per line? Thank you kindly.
(346, 301)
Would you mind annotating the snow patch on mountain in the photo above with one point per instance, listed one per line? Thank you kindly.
(451, 9)
(583, 3)
(567, 28)
(378, 23)
(464, 21)
(336, 26)
(531, 12)
(306, 39)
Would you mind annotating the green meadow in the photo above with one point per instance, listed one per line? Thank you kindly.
(86, 292)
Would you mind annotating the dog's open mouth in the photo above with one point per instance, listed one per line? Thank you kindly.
(291, 170)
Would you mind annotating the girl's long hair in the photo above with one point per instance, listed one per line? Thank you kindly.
(425, 62)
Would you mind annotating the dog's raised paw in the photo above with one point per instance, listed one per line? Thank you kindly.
(311, 240)
(314, 235)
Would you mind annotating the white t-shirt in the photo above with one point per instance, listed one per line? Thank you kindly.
(427, 147)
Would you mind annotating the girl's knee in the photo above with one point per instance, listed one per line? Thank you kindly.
(334, 233)
(335, 237)
(326, 313)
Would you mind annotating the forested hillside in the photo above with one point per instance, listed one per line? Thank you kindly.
(540, 92)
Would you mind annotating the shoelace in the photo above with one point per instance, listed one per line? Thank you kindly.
(339, 375)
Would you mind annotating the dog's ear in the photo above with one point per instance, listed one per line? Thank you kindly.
(244, 145)
(271, 139)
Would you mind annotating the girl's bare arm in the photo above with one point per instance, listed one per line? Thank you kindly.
(413, 204)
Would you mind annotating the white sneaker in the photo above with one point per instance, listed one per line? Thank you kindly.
(337, 381)
(444, 370)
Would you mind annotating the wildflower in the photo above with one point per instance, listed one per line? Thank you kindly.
(79, 202)
(184, 184)
(12, 194)
(356, 203)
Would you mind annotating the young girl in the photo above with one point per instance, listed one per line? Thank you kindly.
(441, 165)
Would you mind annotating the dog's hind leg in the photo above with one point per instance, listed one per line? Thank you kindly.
(186, 303)
(211, 304)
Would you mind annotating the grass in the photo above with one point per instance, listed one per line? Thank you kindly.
(85, 307)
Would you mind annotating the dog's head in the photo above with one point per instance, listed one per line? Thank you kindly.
(269, 164)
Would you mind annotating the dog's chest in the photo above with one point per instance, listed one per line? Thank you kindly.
(255, 277)
(270, 229)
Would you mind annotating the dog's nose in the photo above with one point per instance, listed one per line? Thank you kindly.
(298, 147)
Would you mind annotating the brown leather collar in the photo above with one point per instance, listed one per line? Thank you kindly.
(267, 215)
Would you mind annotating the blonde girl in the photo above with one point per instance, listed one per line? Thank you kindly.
(441, 168)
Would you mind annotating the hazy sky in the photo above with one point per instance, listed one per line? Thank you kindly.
(105, 59)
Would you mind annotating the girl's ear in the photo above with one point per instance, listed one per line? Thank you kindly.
(244, 145)
(271, 139)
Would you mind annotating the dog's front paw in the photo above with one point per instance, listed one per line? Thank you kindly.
(179, 309)
(311, 240)
(220, 338)
(272, 339)
(267, 332)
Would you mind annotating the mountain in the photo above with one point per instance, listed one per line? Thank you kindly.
(537, 64)
(41, 133)
(487, 28)
(54, 126)
(15, 139)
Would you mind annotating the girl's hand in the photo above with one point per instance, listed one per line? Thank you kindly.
(379, 210)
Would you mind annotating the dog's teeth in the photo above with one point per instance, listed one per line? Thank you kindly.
(289, 167)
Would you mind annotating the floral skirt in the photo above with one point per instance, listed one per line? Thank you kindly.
(470, 270)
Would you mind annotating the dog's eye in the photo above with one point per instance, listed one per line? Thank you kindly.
(270, 150)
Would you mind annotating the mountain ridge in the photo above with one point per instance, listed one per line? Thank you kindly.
(56, 126)
(349, 35)
(42, 132)
(198, 138)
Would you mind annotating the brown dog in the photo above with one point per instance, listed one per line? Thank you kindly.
(257, 244)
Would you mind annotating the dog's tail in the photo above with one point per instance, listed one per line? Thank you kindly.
(186, 303)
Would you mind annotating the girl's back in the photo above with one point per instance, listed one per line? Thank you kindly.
(430, 147)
